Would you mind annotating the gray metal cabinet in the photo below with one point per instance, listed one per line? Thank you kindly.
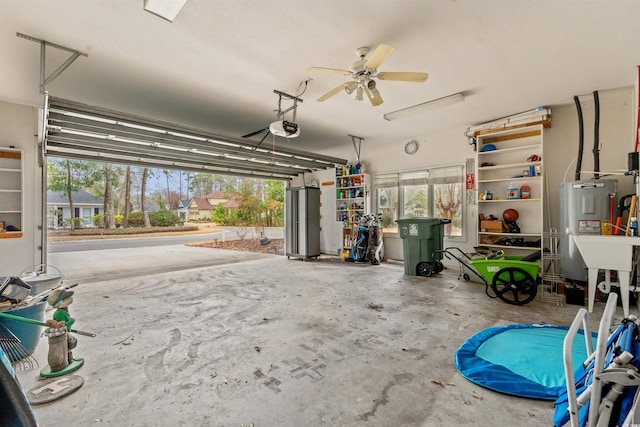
(302, 222)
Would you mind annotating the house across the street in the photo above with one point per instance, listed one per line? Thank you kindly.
(85, 206)
(203, 208)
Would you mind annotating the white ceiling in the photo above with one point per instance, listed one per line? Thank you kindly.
(216, 66)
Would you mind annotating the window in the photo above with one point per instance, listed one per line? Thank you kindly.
(387, 199)
(415, 194)
(448, 192)
(435, 192)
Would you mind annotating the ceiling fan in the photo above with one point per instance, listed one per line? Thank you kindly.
(281, 127)
(364, 71)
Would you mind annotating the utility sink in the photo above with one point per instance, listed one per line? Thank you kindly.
(608, 253)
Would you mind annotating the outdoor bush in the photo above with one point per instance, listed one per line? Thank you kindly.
(78, 222)
(219, 215)
(118, 219)
(98, 220)
(164, 218)
(136, 219)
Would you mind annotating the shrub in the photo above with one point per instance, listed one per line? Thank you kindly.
(79, 223)
(98, 220)
(136, 219)
(164, 218)
(219, 214)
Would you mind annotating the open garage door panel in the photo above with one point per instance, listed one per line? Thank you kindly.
(75, 130)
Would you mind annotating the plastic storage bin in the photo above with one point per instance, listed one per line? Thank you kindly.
(421, 237)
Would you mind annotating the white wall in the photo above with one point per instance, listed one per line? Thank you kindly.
(18, 128)
(434, 150)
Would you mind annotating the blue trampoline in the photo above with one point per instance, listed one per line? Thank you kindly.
(523, 360)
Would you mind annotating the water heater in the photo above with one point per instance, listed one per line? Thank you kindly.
(583, 205)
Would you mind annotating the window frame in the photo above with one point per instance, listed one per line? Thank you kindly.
(430, 177)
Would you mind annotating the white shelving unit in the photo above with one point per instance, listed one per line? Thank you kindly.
(496, 171)
(11, 184)
(352, 200)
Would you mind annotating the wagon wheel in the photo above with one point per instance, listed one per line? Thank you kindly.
(424, 269)
(514, 286)
(438, 266)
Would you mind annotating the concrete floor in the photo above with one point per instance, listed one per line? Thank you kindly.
(267, 341)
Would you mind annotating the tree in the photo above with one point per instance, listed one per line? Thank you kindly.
(109, 218)
(66, 176)
(170, 204)
(127, 197)
(248, 211)
(274, 203)
(143, 189)
(448, 200)
(415, 204)
(201, 184)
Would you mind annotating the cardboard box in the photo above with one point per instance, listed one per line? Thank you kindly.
(491, 226)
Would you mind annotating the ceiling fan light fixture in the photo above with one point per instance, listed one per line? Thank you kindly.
(350, 87)
(165, 9)
(359, 92)
(425, 106)
(371, 84)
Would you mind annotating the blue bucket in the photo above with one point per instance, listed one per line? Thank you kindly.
(28, 334)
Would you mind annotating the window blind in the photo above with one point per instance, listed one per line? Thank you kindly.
(447, 175)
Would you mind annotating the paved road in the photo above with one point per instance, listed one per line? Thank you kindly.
(226, 233)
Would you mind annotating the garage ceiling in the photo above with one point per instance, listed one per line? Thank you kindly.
(216, 66)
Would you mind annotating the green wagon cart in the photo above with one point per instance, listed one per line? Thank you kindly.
(512, 278)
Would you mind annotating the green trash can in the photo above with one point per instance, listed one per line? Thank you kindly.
(421, 237)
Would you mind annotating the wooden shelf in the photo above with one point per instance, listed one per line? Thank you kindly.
(509, 200)
(508, 165)
(506, 150)
(489, 233)
(527, 248)
(10, 234)
(11, 185)
(524, 178)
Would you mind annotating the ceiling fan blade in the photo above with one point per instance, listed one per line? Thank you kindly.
(403, 76)
(249, 135)
(330, 70)
(378, 56)
(332, 92)
(375, 100)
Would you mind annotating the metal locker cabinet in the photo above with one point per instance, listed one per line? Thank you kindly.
(302, 222)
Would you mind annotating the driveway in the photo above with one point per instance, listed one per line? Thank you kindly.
(87, 261)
